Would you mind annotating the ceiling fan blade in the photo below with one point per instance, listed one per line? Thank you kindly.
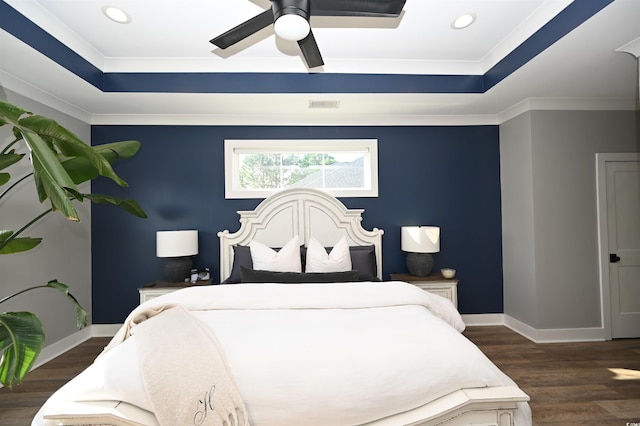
(310, 51)
(382, 8)
(244, 30)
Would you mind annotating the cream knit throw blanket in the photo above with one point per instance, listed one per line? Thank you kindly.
(184, 369)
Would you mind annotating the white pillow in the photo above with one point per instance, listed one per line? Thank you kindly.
(339, 260)
(267, 259)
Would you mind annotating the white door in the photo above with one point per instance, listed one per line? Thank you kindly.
(623, 241)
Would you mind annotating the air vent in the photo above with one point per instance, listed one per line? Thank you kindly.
(324, 104)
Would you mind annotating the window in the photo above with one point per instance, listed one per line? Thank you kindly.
(344, 168)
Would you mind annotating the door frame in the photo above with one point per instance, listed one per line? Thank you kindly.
(603, 232)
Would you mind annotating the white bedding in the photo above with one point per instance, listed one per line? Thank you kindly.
(314, 354)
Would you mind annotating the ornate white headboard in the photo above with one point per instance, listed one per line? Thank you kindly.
(303, 212)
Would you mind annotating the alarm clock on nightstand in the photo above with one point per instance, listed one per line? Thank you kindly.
(200, 275)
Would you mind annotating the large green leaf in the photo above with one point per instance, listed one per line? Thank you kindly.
(4, 178)
(22, 336)
(81, 313)
(16, 245)
(51, 178)
(130, 206)
(8, 159)
(80, 168)
(115, 150)
(10, 114)
(21, 340)
(69, 144)
(82, 162)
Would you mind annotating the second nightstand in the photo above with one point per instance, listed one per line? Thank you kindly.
(434, 283)
(158, 288)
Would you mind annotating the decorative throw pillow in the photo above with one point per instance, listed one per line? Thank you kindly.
(363, 260)
(241, 257)
(318, 260)
(267, 259)
(255, 276)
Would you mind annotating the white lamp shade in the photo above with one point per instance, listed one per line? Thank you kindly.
(176, 243)
(420, 239)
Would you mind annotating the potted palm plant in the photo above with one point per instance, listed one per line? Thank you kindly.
(60, 161)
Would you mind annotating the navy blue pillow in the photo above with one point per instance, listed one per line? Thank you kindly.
(257, 276)
(241, 258)
(363, 260)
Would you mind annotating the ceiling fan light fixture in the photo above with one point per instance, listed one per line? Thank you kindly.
(463, 21)
(291, 20)
(292, 27)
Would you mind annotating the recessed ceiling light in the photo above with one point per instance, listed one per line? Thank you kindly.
(116, 14)
(463, 21)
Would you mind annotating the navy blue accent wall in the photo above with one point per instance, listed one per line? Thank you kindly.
(291, 83)
(444, 176)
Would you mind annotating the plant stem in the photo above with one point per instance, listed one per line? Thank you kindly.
(22, 291)
(19, 231)
(14, 184)
(6, 148)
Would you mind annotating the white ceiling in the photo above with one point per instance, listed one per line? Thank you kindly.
(581, 70)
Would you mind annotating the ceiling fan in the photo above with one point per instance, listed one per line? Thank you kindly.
(291, 21)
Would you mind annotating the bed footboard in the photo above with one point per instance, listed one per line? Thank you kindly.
(481, 406)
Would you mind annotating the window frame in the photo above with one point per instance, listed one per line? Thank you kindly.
(234, 147)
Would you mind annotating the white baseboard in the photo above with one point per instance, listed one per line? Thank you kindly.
(104, 330)
(483, 319)
(552, 335)
(61, 346)
(555, 335)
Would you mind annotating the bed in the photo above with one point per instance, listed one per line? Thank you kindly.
(324, 344)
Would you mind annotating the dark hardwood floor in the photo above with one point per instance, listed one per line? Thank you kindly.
(19, 405)
(595, 383)
(569, 383)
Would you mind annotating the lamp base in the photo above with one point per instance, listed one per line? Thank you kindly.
(420, 264)
(177, 269)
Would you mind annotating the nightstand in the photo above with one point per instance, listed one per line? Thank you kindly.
(434, 283)
(159, 288)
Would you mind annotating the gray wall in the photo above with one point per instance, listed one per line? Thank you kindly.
(64, 254)
(516, 175)
(549, 210)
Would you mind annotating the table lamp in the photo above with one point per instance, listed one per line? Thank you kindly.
(177, 247)
(419, 242)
